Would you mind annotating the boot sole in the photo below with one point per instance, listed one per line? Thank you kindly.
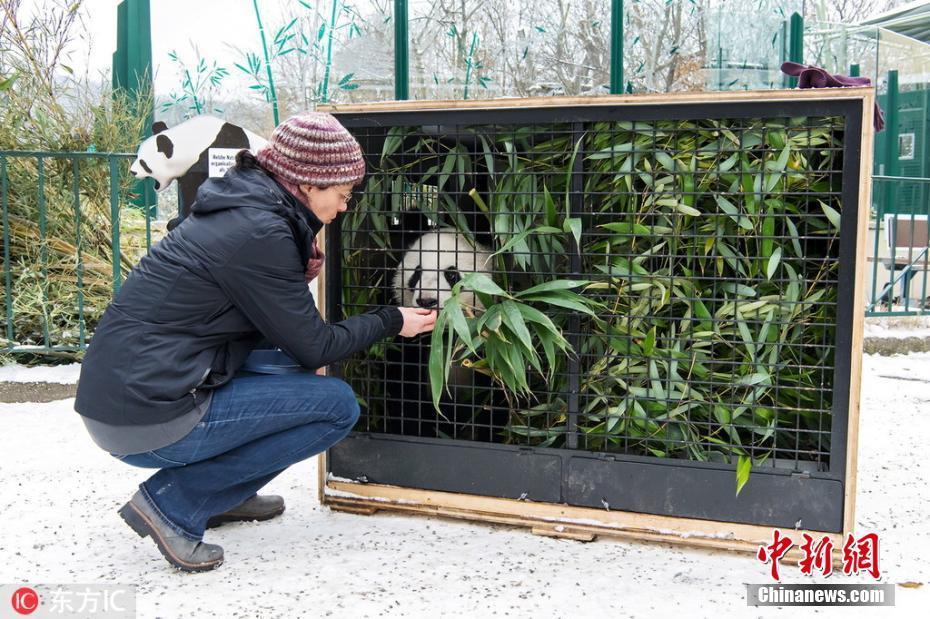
(220, 520)
(143, 527)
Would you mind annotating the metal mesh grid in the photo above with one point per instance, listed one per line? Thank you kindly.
(707, 325)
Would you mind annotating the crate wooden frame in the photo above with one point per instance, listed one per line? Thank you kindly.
(585, 523)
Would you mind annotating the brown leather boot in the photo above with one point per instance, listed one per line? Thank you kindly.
(181, 552)
(255, 508)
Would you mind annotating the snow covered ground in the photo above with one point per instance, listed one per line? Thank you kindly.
(897, 327)
(58, 525)
(16, 373)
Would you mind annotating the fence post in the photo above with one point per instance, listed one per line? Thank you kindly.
(616, 47)
(401, 52)
(795, 44)
(76, 193)
(891, 144)
(43, 249)
(7, 276)
(114, 222)
(132, 74)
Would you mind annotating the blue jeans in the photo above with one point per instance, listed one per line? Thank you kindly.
(256, 427)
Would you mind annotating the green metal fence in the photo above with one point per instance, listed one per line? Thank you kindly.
(898, 254)
(70, 234)
(68, 219)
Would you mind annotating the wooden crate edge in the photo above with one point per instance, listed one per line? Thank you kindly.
(858, 326)
(636, 99)
(716, 535)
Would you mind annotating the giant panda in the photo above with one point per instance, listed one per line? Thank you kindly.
(433, 264)
(427, 271)
(169, 154)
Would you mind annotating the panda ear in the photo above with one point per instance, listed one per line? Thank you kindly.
(158, 127)
(165, 145)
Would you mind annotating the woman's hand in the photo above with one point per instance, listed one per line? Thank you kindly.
(417, 320)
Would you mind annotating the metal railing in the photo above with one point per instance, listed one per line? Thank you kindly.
(901, 246)
(898, 267)
(39, 190)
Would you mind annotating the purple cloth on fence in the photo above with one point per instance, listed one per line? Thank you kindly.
(814, 77)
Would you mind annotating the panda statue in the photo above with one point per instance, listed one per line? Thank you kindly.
(428, 270)
(182, 152)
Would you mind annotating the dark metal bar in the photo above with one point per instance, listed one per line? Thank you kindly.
(576, 207)
(64, 153)
(845, 311)
(115, 252)
(592, 113)
(401, 51)
(616, 47)
(890, 169)
(333, 283)
(796, 44)
(43, 249)
(7, 275)
(76, 193)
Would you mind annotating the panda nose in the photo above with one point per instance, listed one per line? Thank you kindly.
(427, 303)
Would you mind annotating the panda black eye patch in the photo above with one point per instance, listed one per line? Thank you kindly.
(415, 278)
(165, 145)
(452, 276)
(145, 166)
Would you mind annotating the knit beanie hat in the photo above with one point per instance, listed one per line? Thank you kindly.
(313, 149)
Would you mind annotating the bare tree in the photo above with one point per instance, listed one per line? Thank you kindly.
(847, 11)
(666, 46)
(37, 44)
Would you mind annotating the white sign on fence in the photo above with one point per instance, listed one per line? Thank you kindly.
(220, 160)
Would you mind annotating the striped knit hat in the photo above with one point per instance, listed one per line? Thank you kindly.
(313, 149)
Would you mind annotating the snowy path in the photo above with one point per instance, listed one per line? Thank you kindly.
(58, 524)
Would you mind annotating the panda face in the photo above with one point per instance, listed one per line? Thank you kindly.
(155, 159)
(433, 264)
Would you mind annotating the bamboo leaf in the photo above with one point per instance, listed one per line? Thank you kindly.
(566, 300)
(627, 228)
(480, 282)
(665, 160)
(756, 378)
(743, 468)
(438, 370)
(832, 215)
(457, 318)
(573, 225)
(556, 284)
(551, 216)
(649, 343)
(739, 289)
(773, 263)
(730, 209)
(514, 321)
(795, 238)
(687, 210)
(569, 170)
(612, 151)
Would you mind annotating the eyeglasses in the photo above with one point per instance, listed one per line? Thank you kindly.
(348, 199)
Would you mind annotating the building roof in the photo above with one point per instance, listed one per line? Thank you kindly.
(912, 20)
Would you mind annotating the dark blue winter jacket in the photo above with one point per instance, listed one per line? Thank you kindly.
(193, 309)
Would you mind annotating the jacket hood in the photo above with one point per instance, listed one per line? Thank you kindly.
(251, 188)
